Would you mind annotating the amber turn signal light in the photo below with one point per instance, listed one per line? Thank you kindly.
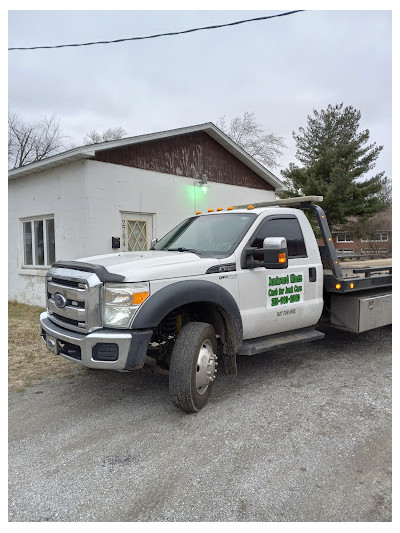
(139, 297)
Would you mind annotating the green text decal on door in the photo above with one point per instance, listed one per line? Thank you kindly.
(284, 290)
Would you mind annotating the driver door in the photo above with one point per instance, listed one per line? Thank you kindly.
(277, 300)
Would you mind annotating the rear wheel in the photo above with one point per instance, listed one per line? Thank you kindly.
(193, 366)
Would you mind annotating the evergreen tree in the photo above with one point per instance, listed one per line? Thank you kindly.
(334, 158)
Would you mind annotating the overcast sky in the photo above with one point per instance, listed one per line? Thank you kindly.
(279, 69)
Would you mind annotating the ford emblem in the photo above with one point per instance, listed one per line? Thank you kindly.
(59, 300)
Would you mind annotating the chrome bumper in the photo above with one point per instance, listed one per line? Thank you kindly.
(103, 349)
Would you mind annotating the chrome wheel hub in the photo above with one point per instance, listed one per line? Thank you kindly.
(206, 367)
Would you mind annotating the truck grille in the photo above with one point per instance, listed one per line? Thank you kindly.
(66, 282)
(74, 299)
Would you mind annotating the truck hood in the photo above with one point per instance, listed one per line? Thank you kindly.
(151, 265)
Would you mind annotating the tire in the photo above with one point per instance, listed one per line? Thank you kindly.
(193, 366)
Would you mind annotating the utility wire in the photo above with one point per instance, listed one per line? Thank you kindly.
(159, 34)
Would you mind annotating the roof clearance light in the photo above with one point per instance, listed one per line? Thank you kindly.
(220, 209)
(282, 258)
(198, 212)
(230, 208)
(211, 210)
(250, 207)
(338, 286)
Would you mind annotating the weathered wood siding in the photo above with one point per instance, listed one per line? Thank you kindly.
(190, 155)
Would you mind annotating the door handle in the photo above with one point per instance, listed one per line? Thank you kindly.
(312, 274)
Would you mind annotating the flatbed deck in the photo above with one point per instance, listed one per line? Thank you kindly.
(350, 265)
(359, 275)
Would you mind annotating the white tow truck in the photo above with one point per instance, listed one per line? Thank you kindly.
(241, 280)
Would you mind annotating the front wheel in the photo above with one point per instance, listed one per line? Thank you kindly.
(193, 366)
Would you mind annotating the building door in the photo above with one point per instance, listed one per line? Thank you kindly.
(136, 231)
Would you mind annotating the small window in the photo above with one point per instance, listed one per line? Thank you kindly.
(282, 227)
(38, 241)
(379, 236)
(137, 235)
(345, 237)
(371, 251)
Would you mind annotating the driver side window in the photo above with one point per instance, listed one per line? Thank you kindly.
(282, 227)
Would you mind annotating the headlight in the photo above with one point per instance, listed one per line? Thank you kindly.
(122, 301)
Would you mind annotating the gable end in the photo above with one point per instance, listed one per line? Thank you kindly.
(190, 155)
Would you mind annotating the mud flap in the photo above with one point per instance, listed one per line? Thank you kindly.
(230, 363)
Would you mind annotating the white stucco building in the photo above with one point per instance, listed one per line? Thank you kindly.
(72, 205)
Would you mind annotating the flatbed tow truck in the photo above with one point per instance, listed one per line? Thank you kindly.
(241, 280)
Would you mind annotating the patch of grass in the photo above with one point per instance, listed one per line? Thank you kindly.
(29, 361)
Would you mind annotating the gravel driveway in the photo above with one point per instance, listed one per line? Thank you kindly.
(302, 434)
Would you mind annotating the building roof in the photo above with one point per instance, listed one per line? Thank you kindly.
(89, 151)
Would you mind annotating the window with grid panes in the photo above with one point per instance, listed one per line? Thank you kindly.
(344, 237)
(136, 235)
(38, 241)
(379, 236)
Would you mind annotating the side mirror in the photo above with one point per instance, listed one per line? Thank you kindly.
(273, 254)
(153, 242)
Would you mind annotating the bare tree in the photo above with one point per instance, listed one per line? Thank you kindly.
(28, 143)
(386, 192)
(376, 232)
(111, 134)
(373, 234)
(244, 131)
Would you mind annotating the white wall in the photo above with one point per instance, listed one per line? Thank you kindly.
(60, 192)
(87, 199)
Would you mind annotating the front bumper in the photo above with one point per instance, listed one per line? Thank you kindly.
(103, 349)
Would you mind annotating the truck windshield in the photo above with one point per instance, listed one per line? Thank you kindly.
(208, 236)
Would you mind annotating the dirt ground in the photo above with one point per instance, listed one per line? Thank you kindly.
(301, 435)
(29, 361)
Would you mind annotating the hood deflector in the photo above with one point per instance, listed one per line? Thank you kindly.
(101, 272)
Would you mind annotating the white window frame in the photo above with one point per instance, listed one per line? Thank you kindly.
(369, 251)
(346, 239)
(380, 239)
(32, 220)
(132, 216)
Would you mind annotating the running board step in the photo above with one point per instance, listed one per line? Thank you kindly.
(263, 344)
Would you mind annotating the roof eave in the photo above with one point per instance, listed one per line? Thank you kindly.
(77, 154)
(243, 156)
(89, 151)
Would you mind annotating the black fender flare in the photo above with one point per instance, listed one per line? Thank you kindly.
(180, 293)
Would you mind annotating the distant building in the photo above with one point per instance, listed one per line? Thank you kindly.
(371, 238)
(118, 195)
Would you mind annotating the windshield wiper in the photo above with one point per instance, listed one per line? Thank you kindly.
(183, 250)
